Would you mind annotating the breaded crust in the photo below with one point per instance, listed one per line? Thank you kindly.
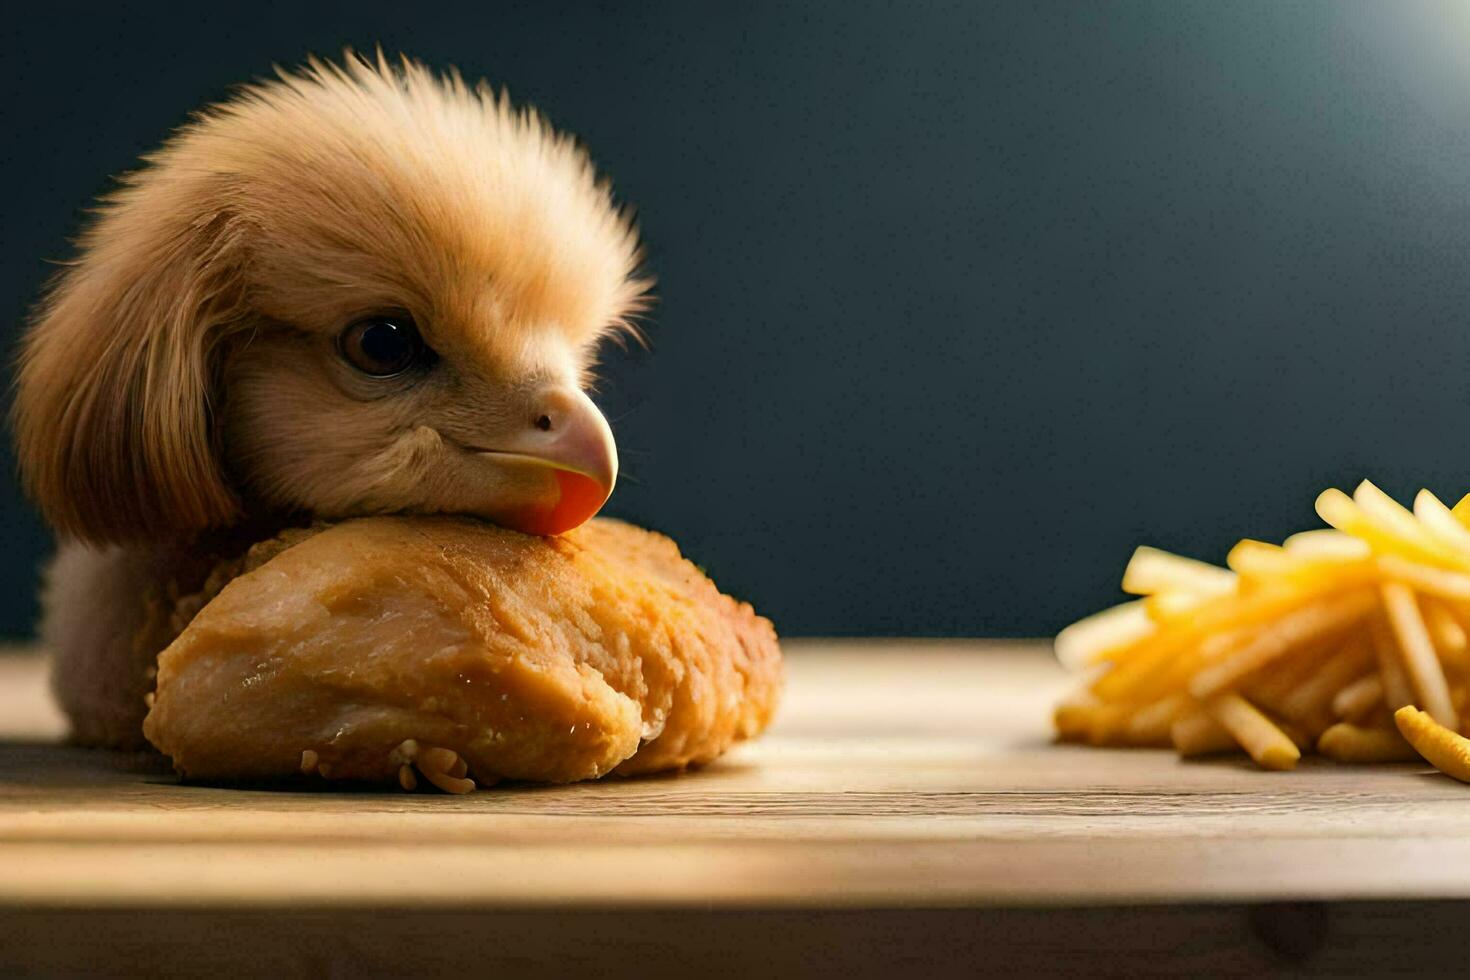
(549, 659)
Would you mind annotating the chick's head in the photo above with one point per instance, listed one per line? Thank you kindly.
(352, 290)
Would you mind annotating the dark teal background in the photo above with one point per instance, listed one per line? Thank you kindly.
(958, 302)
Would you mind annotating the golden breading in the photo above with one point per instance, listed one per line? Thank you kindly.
(374, 644)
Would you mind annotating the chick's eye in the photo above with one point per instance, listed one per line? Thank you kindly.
(381, 346)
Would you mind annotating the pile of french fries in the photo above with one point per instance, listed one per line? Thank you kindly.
(1349, 640)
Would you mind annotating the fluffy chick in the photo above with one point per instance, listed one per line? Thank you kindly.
(351, 290)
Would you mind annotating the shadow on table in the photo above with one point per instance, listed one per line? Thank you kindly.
(48, 764)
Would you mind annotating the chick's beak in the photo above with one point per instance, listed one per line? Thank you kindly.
(570, 442)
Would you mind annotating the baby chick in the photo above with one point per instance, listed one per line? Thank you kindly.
(352, 290)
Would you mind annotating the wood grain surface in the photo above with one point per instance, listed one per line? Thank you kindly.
(905, 782)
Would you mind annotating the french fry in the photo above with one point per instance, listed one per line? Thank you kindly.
(1292, 629)
(1370, 515)
(1088, 639)
(1171, 607)
(1396, 691)
(1328, 543)
(1264, 741)
(1343, 513)
(1311, 697)
(1258, 562)
(1440, 522)
(1152, 572)
(1273, 684)
(1445, 630)
(1456, 659)
(1358, 698)
(1442, 748)
(1073, 719)
(1425, 673)
(1161, 662)
(1398, 522)
(1346, 742)
(1196, 733)
(1136, 677)
(1149, 670)
(1106, 724)
(1217, 645)
(1453, 586)
(1151, 725)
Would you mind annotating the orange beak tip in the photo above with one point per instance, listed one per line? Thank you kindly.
(579, 498)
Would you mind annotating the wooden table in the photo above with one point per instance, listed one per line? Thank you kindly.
(908, 811)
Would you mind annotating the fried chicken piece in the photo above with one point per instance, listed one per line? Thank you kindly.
(467, 652)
